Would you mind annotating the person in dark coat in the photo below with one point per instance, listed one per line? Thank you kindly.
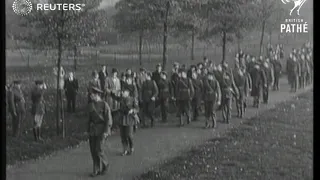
(156, 74)
(38, 108)
(228, 90)
(94, 82)
(277, 72)
(293, 73)
(128, 109)
(212, 99)
(258, 81)
(17, 107)
(71, 87)
(173, 81)
(304, 69)
(266, 70)
(198, 94)
(149, 94)
(184, 96)
(99, 128)
(102, 76)
(165, 91)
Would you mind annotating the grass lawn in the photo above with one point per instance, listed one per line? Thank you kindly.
(278, 144)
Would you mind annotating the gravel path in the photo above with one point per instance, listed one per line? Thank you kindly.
(152, 146)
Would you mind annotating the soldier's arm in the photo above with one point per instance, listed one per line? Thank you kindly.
(156, 90)
(107, 118)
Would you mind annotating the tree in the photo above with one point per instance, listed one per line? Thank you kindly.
(227, 19)
(134, 16)
(55, 29)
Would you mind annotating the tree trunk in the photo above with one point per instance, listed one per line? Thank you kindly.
(58, 100)
(165, 36)
(224, 42)
(75, 58)
(140, 47)
(262, 35)
(192, 44)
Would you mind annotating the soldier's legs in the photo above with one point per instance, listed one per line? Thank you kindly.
(238, 106)
(188, 110)
(164, 103)
(181, 111)
(196, 105)
(101, 156)
(214, 118)
(124, 139)
(229, 108)
(37, 126)
(95, 158)
(68, 103)
(208, 107)
(265, 94)
(73, 103)
(296, 83)
(129, 134)
(276, 82)
(150, 111)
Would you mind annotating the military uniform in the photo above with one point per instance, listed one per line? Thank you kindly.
(293, 74)
(242, 82)
(100, 122)
(212, 95)
(165, 90)
(277, 73)
(198, 94)
(267, 81)
(257, 84)
(17, 108)
(38, 109)
(303, 74)
(227, 91)
(184, 95)
(149, 91)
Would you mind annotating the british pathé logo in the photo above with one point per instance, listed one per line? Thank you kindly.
(297, 4)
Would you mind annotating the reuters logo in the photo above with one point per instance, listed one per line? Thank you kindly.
(22, 7)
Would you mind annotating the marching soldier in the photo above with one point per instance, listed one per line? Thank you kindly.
(293, 73)
(165, 90)
(17, 107)
(198, 93)
(149, 93)
(99, 128)
(128, 109)
(71, 87)
(277, 72)
(184, 95)
(242, 84)
(38, 108)
(212, 94)
(95, 82)
(228, 90)
(266, 70)
(303, 74)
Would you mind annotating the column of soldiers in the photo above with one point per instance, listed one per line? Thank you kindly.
(131, 99)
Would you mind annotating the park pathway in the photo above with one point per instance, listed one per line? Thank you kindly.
(152, 146)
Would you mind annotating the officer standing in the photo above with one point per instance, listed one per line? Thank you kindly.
(242, 83)
(184, 95)
(266, 71)
(212, 99)
(198, 93)
(38, 108)
(165, 91)
(227, 91)
(99, 128)
(149, 93)
(277, 72)
(17, 107)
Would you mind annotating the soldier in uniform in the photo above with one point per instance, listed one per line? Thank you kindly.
(156, 74)
(38, 108)
(242, 83)
(293, 73)
(95, 82)
(184, 95)
(71, 87)
(103, 75)
(128, 109)
(212, 99)
(198, 94)
(303, 74)
(165, 90)
(266, 70)
(277, 72)
(99, 127)
(149, 94)
(17, 107)
(228, 90)
(257, 84)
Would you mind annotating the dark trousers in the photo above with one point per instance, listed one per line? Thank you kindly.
(276, 81)
(209, 111)
(115, 118)
(126, 134)
(164, 104)
(99, 158)
(265, 94)
(16, 123)
(240, 103)
(71, 102)
(196, 105)
(302, 80)
(294, 82)
(184, 109)
(226, 108)
(148, 110)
